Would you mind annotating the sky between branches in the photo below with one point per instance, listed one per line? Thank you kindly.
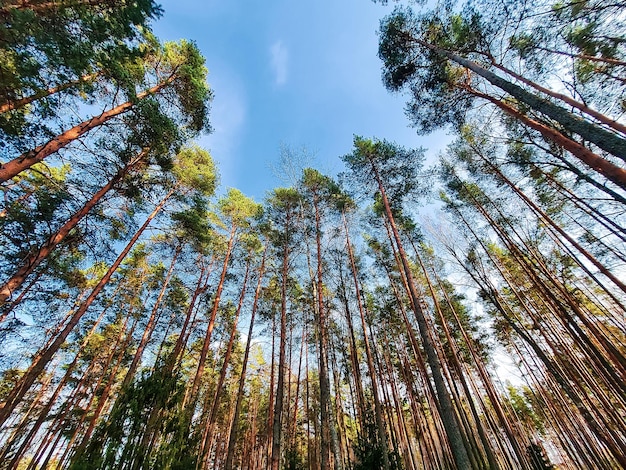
(302, 74)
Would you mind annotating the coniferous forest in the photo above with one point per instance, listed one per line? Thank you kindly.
(151, 320)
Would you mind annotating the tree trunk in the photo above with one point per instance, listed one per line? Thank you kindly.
(380, 424)
(325, 411)
(13, 167)
(193, 391)
(604, 139)
(207, 438)
(443, 398)
(601, 165)
(35, 258)
(44, 357)
(152, 321)
(19, 103)
(278, 407)
(234, 430)
(566, 99)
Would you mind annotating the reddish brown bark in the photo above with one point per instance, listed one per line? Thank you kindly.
(603, 166)
(45, 356)
(193, 391)
(35, 258)
(230, 455)
(13, 167)
(11, 105)
(444, 402)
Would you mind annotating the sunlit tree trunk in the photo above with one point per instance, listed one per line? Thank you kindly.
(20, 103)
(193, 391)
(234, 430)
(445, 404)
(380, 425)
(35, 258)
(45, 356)
(13, 167)
(207, 438)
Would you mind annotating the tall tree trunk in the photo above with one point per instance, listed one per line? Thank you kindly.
(193, 391)
(45, 410)
(201, 286)
(207, 438)
(554, 370)
(43, 7)
(594, 161)
(234, 430)
(548, 220)
(457, 367)
(36, 257)
(325, 411)
(604, 139)
(282, 366)
(443, 398)
(45, 356)
(103, 398)
(152, 321)
(566, 99)
(13, 167)
(380, 425)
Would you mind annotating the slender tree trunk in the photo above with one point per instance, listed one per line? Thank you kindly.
(152, 321)
(494, 398)
(456, 366)
(193, 391)
(601, 165)
(380, 425)
(103, 398)
(548, 220)
(43, 414)
(354, 359)
(181, 341)
(278, 407)
(234, 430)
(19, 103)
(42, 7)
(566, 99)
(443, 398)
(45, 356)
(35, 258)
(604, 139)
(207, 441)
(267, 454)
(13, 167)
(325, 411)
(554, 370)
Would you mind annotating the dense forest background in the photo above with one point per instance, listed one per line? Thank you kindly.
(146, 322)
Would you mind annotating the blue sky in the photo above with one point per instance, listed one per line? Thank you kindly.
(298, 73)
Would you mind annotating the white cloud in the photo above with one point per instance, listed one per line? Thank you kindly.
(279, 62)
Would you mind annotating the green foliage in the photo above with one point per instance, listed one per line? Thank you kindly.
(52, 43)
(30, 210)
(521, 400)
(282, 211)
(369, 454)
(194, 169)
(397, 167)
(238, 208)
(428, 77)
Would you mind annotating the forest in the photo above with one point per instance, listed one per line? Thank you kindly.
(150, 319)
